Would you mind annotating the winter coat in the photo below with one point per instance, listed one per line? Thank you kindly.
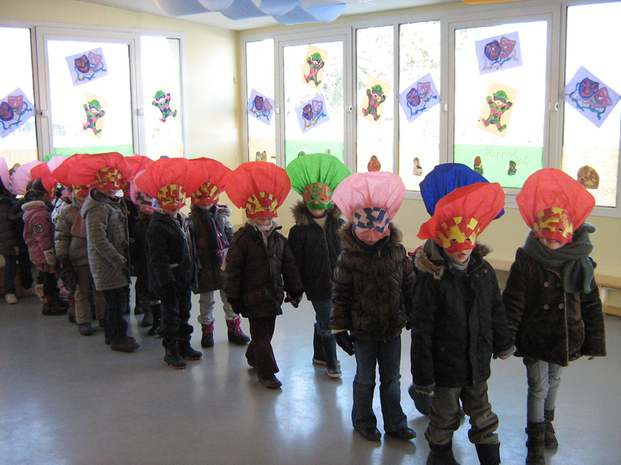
(138, 252)
(108, 240)
(458, 320)
(38, 233)
(316, 249)
(11, 234)
(70, 238)
(258, 275)
(548, 323)
(172, 257)
(372, 290)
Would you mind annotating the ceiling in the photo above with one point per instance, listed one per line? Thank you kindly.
(353, 7)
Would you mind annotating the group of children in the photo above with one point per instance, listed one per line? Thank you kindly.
(363, 285)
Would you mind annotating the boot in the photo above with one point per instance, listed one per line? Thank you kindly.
(207, 338)
(172, 358)
(318, 356)
(54, 306)
(550, 436)
(235, 333)
(156, 310)
(332, 364)
(441, 454)
(186, 351)
(147, 319)
(489, 454)
(535, 443)
(71, 314)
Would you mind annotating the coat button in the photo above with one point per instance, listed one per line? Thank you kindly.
(558, 284)
(546, 307)
(561, 306)
(546, 284)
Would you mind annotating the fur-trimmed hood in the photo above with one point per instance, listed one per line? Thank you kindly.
(429, 258)
(302, 216)
(351, 242)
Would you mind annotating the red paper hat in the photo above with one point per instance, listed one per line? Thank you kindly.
(103, 171)
(138, 163)
(212, 176)
(259, 187)
(554, 205)
(65, 173)
(43, 171)
(462, 215)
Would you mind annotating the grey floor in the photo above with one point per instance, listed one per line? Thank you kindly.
(69, 399)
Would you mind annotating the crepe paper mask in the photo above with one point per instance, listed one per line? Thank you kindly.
(315, 176)
(377, 189)
(43, 172)
(371, 224)
(144, 201)
(258, 187)
(462, 215)
(554, 205)
(104, 171)
(138, 163)
(4, 174)
(212, 174)
(22, 176)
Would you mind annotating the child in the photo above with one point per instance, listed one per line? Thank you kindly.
(371, 297)
(458, 321)
(213, 232)
(316, 243)
(171, 251)
(552, 300)
(105, 215)
(259, 259)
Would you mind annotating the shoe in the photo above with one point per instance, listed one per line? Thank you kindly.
(30, 291)
(39, 291)
(11, 298)
(85, 329)
(334, 372)
(404, 434)
(107, 341)
(138, 311)
(71, 318)
(147, 320)
(370, 434)
(173, 360)
(186, 351)
(271, 382)
(127, 345)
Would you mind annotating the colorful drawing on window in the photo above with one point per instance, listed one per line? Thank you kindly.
(512, 168)
(84, 67)
(94, 112)
(374, 164)
(496, 112)
(587, 94)
(312, 113)
(498, 53)
(374, 99)
(313, 68)
(15, 110)
(261, 107)
(588, 177)
(161, 101)
(418, 170)
(260, 156)
(419, 97)
(478, 165)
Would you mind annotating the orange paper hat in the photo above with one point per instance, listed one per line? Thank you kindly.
(103, 171)
(554, 205)
(462, 215)
(259, 187)
(211, 174)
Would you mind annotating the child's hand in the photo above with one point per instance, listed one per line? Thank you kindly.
(345, 342)
(293, 301)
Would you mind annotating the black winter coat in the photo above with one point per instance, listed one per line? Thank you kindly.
(458, 320)
(373, 284)
(548, 323)
(255, 272)
(316, 249)
(11, 232)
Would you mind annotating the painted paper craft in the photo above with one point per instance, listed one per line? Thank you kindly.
(261, 107)
(312, 113)
(496, 111)
(313, 68)
(84, 67)
(590, 96)
(419, 97)
(372, 106)
(498, 53)
(94, 110)
(15, 110)
(161, 101)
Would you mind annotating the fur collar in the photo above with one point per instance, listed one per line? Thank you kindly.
(351, 242)
(34, 204)
(302, 216)
(429, 258)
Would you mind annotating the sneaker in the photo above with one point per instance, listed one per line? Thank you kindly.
(370, 434)
(404, 434)
(11, 298)
(127, 345)
(270, 382)
(31, 291)
(85, 329)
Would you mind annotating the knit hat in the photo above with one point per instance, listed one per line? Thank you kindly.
(103, 171)
(554, 205)
(315, 176)
(462, 215)
(211, 175)
(258, 187)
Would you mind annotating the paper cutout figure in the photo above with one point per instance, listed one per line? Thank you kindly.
(498, 53)
(15, 110)
(312, 113)
(84, 67)
(94, 112)
(478, 165)
(512, 168)
(588, 177)
(161, 101)
(496, 113)
(313, 69)
(261, 156)
(587, 94)
(374, 164)
(419, 97)
(418, 170)
(261, 107)
(374, 100)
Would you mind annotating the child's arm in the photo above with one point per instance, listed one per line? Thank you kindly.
(514, 296)
(503, 343)
(43, 232)
(159, 258)
(593, 318)
(291, 275)
(96, 225)
(424, 308)
(235, 264)
(342, 296)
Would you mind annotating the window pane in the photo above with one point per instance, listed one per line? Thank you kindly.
(591, 153)
(500, 110)
(375, 121)
(161, 79)
(18, 143)
(419, 124)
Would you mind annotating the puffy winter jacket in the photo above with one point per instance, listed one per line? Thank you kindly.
(70, 238)
(11, 233)
(38, 232)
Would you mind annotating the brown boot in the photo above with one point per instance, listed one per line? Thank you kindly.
(550, 436)
(235, 333)
(535, 443)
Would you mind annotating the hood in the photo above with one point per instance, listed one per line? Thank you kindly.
(351, 242)
(302, 216)
(34, 204)
(93, 199)
(429, 258)
(224, 210)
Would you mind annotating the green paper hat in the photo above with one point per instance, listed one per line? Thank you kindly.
(315, 177)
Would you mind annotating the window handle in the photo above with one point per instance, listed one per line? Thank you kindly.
(350, 109)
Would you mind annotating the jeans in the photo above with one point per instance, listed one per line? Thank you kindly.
(175, 315)
(544, 380)
(117, 302)
(387, 355)
(322, 317)
(207, 302)
(259, 353)
(11, 268)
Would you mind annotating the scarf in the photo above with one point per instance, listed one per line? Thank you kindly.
(577, 268)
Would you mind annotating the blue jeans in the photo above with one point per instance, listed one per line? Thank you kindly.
(10, 272)
(544, 380)
(387, 355)
(322, 318)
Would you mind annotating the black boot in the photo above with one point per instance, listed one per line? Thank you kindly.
(489, 454)
(235, 333)
(186, 351)
(550, 436)
(441, 454)
(156, 310)
(332, 364)
(172, 358)
(318, 356)
(535, 444)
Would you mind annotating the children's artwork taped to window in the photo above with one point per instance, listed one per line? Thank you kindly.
(161, 101)
(312, 113)
(372, 106)
(313, 68)
(498, 53)
(588, 94)
(261, 107)
(496, 111)
(15, 110)
(419, 97)
(87, 66)
(94, 109)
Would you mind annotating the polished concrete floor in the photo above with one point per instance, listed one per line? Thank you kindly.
(69, 399)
